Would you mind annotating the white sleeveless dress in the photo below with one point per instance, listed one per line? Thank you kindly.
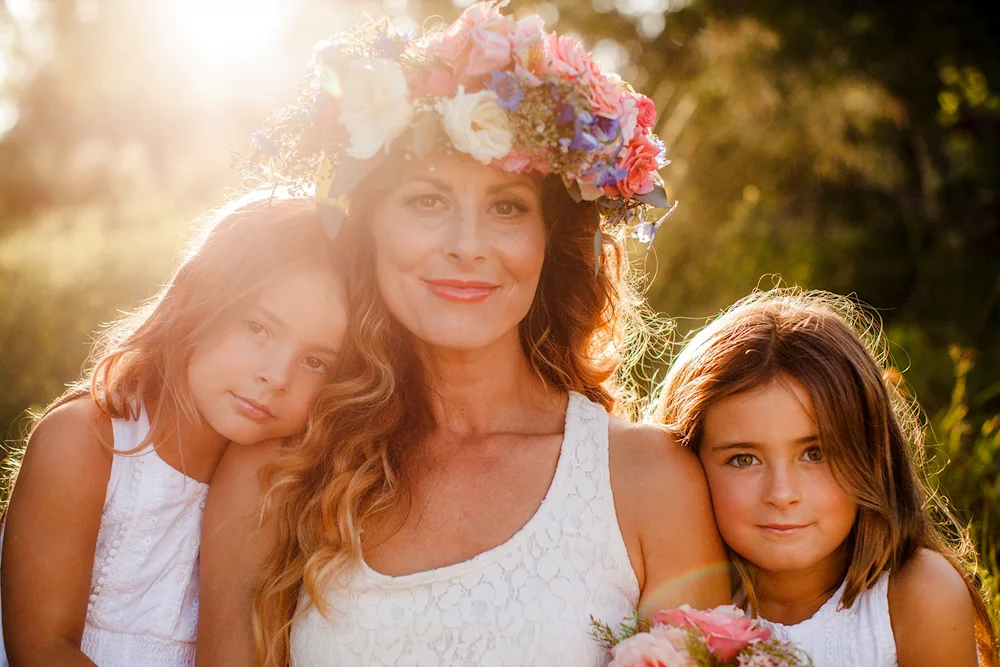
(860, 636)
(526, 602)
(143, 608)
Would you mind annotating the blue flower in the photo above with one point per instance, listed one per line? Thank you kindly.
(507, 88)
(645, 233)
(265, 144)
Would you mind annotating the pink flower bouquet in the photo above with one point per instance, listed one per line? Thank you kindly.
(687, 637)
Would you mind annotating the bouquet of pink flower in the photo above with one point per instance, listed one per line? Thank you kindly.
(687, 637)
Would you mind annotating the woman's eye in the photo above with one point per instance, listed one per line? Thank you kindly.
(256, 328)
(813, 454)
(742, 460)
(426, 202)
(317, 364)
(508, 208)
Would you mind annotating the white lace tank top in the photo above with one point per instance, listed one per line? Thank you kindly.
(143, 607)
(860, 635)
(526, 602)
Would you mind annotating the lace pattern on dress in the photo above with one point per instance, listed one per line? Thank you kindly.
(525, 602)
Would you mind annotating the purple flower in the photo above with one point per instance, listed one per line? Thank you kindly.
(265, 144)
(607, 129)
(606, 174)
(507, 88)
(583, 137)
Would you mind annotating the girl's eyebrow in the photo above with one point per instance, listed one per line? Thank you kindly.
(733, 445)
(805, 440)
(279, 323)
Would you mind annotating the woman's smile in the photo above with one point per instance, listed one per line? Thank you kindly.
(461, 291)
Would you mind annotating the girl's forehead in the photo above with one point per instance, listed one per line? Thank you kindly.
(778, 410)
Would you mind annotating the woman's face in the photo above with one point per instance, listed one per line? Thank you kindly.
(459, 250)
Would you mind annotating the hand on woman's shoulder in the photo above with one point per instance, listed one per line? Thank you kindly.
(932, 614)
(661, 493)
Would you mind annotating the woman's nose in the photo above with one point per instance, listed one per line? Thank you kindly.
(466, 240)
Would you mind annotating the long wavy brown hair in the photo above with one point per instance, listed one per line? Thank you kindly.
(236, 251)
(872, 431)
(351, 464)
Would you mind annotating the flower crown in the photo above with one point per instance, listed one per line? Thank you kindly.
(497, 89)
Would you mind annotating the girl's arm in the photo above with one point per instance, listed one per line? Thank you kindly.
(51, 535)
(932, 615)
(665, 513)
(233, 548)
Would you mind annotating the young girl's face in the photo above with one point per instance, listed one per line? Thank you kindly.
(254, 378)
(776, 501)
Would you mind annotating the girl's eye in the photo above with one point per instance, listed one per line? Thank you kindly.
(813, 455)
(256, 328)
(317, 364)
(509, 208)
(742, 460)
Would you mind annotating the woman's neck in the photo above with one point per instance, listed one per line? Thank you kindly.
(483, 390)
(792, 596)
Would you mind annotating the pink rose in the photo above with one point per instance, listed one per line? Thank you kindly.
(478, 42)
(629, 119)
(725, 628)
(650, 649)
(567, 57)
(640, 162)
(515, 162)
(647, 111)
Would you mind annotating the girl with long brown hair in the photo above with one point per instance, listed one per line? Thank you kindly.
(462, 495)
(101, 539)
(813, 459)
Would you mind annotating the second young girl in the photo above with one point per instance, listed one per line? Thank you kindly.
(811, 457)
(100, 546)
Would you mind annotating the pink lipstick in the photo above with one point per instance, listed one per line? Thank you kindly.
(461, 291)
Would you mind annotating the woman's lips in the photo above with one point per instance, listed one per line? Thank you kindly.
(461, 291)
(252, 410)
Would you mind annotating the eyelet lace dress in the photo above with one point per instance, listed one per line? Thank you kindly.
(860, 635)
(526, 602)
(143, 606)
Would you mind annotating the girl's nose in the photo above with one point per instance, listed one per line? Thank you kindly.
(782, 488)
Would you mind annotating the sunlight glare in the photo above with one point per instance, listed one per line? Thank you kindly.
(222, 32)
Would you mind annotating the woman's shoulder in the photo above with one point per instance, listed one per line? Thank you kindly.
(236, 485)
(931, 609)
(650, 451)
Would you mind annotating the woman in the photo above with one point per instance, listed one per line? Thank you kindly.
(462, 496)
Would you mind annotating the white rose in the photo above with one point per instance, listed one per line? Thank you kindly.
(477, 125)
(374, 107)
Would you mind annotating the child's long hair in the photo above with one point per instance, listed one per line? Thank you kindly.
(236, 251)
(871, 431)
